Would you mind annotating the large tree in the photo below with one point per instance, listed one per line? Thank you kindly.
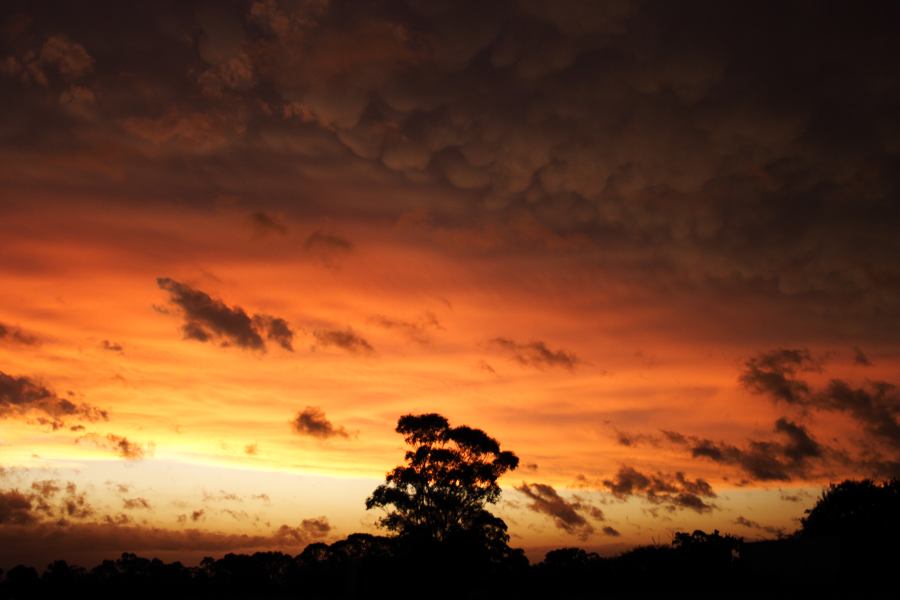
(449, 476)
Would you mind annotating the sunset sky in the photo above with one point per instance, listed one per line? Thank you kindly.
(651, 247)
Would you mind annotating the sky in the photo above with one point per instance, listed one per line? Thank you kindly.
(650, 247)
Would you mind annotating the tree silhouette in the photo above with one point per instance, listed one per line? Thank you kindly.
(450, 475)
(855, 510)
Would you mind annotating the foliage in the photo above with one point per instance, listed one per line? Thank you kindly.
(450, 475)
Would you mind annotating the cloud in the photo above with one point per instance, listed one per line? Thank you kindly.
(750, 524)
(135, 503)
(565, 514)
(15, 335)
(206, 318)
(309, 529)
(672, 491)
(44, 541)
(311, 421)
(276, 329)
(15, 508)
(875, 406)
(111, 346)
(23, 396)
(326, 247)
(119, 445)
(536, 354)
(774, 373)
(345, 339)
(417, 331)
(611, 531)
(265, 224)
(68, 57)
(860, 358)
(766, 460)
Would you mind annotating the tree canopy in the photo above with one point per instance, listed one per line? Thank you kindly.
(449, 476)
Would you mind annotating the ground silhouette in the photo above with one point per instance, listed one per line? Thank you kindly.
(447, 545)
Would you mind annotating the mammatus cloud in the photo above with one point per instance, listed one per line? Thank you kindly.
(312, 421)
(536, 354)
(15, 335)
(22, 397)
(875, 405)
(207, 318)
(566, 515)
(345, 339)
(671, 491)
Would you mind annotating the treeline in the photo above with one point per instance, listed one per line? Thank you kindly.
(847, 546)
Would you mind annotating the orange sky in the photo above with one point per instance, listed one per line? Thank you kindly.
(574, 301)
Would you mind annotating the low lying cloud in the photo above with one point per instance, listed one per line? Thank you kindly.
(23, 397)
(265, 224)
(418, 330)
(875, 405)
(15, 335)
(44, 541)
(119, 445)
(536, 354)
(671, 491)
(750, 524)
(312, 421)
(566, 514)
(345, 339)
(207, 318)
(765, 460)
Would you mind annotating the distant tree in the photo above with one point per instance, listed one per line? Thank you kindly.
(441, 491)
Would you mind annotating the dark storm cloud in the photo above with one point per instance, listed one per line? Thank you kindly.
(875, 406)
(206, 318)
(345, 339)
(566, 515)
(672, 491)
(312, 421)
(536, 354)
(15, 335)
(23, 397)
(684, 153)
